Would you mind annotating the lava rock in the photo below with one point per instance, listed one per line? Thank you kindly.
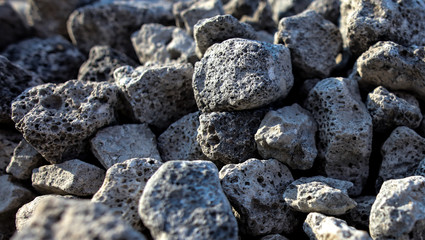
(25, 158)
(274, 237)
(359, 216)
(239, 8)
(9, 140)
(329, 9)
(12, 27)
(287, 8)
(261, 19)
(421, 168)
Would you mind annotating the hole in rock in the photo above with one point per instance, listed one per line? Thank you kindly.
(52, 102)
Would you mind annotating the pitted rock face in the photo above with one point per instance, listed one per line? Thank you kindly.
(57, 119)
(359, 216)
(421, 168)
(240, 74)
(25, 158)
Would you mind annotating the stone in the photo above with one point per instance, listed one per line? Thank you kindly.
(240, 74)
(261, 19)
(57, 119)
(25, 158)
(287, 8)
(274, 237)
(123, 186)
(254, 188)
(389, 111)
(12, 27)
(102, 62)
(314, 43)
(158, 95)
(184, 200)
(319, 194)
(394, 67)
(240, 8)
(363, 23)
(73, 177)
(9, 140)
(329, 9)
(178, 142)
(321, 227)
(345, 130)
(264, 36)
(288, 135)
(399, 210)
(218, 29)
(56, 218)
(116, 144)
(228, 137)
(359, 216)
(53, 59)
(421, 168)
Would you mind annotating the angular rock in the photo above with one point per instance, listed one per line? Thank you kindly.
(25, 158)
(57, 119)
(359, 216)
(12, 27)
(287, 8)
(240, 74)
(9, 140)
(329, 9)
(288, 135)
(228, 137)
(123, 186)
(56, 218)
(53, 59)
(314, 43)
(274, 237)
(421, 168)
(158, 95)
(363, 23)
(262, 18)
(321, 227)
(345, 130)
(184, 200)
(254, 188)
(319, 194)
(399, 210)
(116, 144)
(73, 177)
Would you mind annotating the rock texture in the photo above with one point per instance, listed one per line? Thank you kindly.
(287, 8)
(329, 9)
(274, 237)
(9, 140)
(12, 27)
(240, 74)
(25, 158)
(359, 216)
(421, 168)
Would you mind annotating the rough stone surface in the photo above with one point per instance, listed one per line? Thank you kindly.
(314, 43)
(178, 142)
(53, 59)
(123, 186)
(240, 74)
(254, 188)
(56, 218)
(319, 194)
(228, 137)
(364, 22)
(288, 135)
(119, 143)
(345, 130)
(421, 168)
(56, 119)
(184, 200)
(12, 27)
(321, 227)
(25, 158)
(71, 177)
(399, 210)
(274, 237)
(241, 8)
(102, 62)
(158, 95)
(217, 29)
(286, 8)
(394, 67)
(9, 139)
(329, 9)
(262, 18)
(358, 217)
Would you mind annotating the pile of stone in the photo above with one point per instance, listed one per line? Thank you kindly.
(212, 119)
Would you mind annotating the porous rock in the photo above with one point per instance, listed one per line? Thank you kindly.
(184, 200)
(123, 186)
(420, 170)
(261, 19)
(314, 43)
(254, 189)
(288, 135)
(12, 27)
(240, 8)
(399, 210)
(9, 139)
(329, 9)
(345, 130)
(240, 74)
(358, 217)
(25, 158)
(57, 119)
(73, 177)
(287, 8)
(53, 59)
(274, 237)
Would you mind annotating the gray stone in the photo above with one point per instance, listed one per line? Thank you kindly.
(239, 8)
(240, 74)
(217, 29)
(399, 210)
(359, 216)
(288, 135)
(228, 137)
(274, 237)
(254, 188)
(12, 27)
(314, 43)
(184, 200)
(57, 119)
(329, 9)
(123, 186)
(321, 227)
(364, 22)
(264, 36)
(345, 130)
(158, 95)
(53, 59)
(421, 168)
(25, 158)
(262, 18)
(73, 177)
(319, 194)
(9, 140)
(116, 144)
(56, 218)
(286, 8)
(389, 110)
